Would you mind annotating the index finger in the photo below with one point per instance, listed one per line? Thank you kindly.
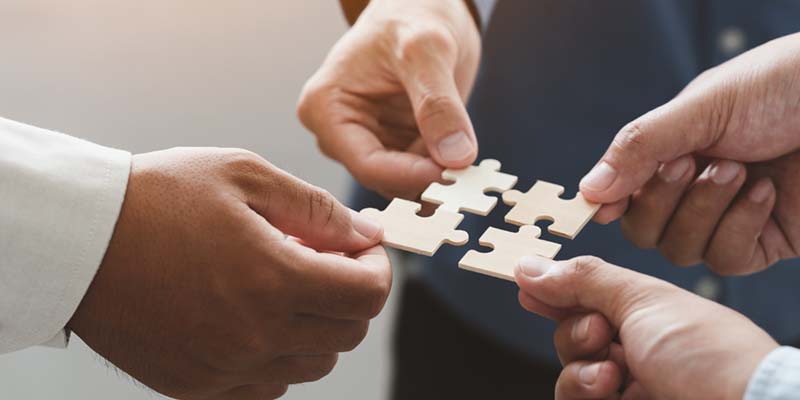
(339, 286)
(399, 173)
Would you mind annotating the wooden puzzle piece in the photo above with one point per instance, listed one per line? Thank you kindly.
(405, 230)
(543, 202)
(470, 184)
(509, 248)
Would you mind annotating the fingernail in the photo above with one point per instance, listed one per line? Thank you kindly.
(580, 331)
(365, 226)
(761, 192)
(723, 172)
(599, 178)
(455, 147)
(588, 374)
(674, 170)
(535, 266)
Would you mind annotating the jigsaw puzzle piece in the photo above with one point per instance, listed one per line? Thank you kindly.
(509, 248)
(467, 193)
(543, 202)
(405, 230)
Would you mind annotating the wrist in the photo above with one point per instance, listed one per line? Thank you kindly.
(748, 368)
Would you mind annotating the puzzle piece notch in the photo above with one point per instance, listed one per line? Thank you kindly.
(467, 193)
(405, 230)
(508, 249)
(543, 202)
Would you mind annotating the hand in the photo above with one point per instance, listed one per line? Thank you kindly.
(620, 331)
(742, 120)
(388, 102)
(201, 296)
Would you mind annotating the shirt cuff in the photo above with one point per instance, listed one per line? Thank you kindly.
(60, 198)
(777, 376)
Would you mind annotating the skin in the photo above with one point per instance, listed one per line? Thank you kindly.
(388, 102)
(202, 296)
(711, 176)
(625, 335)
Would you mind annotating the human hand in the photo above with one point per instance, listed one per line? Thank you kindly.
(201, 296)
(622, 332)
(741, 120)
(388, 102)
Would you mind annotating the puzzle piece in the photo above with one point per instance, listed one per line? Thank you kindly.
(542, 201)
(405, 230)
(509, 247)
(467, 193)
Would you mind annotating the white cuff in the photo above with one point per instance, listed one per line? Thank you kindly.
(777, 377)
(59, 202)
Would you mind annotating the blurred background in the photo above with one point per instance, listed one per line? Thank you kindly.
(144, 75)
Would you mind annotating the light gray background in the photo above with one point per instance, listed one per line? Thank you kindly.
(144, 75)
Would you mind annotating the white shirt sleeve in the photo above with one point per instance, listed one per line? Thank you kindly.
(777, 377)
(59, 201)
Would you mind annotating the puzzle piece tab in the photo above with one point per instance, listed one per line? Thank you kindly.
(406, 230)
(467, 193)
(509, 247)
(542, 202)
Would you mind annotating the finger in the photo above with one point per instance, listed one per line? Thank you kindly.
(583, 337)
(692, 225)
(635, 391)
(680, 127)
(426, 70)
(297, 369)
(308, 335)
(339, 287)
(535, 306)
(616, 354)
(609, 213)
(588, 283)
(403, 174)
(311, 214)
(255, 392)
(652, 207)
(588, 380)
(735, 247)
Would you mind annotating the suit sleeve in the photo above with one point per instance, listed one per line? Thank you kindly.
(481, 10)
(59, 201)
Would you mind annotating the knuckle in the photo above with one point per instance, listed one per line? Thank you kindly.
(245, 165)
(322, 206)
(354, 336)
(631, 138)
(276, 391)
(376, 295)
(433, 105)
(248, 346)
(425, 40)
(585, 265)
(632, 233)
(677, 257)
(321, 367)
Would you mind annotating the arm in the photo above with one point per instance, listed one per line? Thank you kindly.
(59, 200)
(777, 377)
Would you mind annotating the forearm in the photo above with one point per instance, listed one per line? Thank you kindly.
(480, 10)
(59, 200)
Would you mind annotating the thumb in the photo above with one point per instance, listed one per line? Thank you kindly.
(687, 124)
(586, 284)
(313, 215)
(428, 77)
